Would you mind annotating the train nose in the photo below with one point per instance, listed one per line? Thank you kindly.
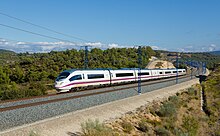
(58, 84)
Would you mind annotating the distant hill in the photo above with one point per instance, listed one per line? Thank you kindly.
(7, 56)
(215, 52)
(6, 51)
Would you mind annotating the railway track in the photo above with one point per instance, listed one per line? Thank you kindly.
(24, 111)
(87, 93)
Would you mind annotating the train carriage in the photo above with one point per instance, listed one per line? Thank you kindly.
(75, 79)
(121, 76)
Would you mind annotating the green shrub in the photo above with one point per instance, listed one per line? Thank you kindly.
(179, 132)
(143, 126)
(167, 109)
(13, 91)
(169, 122)
(185, 105)
(10, 91)
(161, 131)
(95, 128)
(190, 124)
(33, 133)
(177, 94)
(191, 91)
(127, 127)
(175, 100)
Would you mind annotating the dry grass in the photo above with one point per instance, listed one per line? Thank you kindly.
(176, 116)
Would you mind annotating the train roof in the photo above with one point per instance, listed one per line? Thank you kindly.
(70, 70)
(73, 70)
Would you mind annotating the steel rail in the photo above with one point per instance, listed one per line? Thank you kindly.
(85, 95)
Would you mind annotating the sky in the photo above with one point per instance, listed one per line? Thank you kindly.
(173, 25)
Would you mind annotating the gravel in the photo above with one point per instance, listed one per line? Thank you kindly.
(18, 117)
(64, 95)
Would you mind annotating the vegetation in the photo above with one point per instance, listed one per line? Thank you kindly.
(210, 59)
(7, 57)
(167, 109)
(127, 127)
(190, 125)
(180, 115)
(95, 128)
(211, 89)
(33, 133)
(24, 74)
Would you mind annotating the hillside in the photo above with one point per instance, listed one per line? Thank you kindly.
(215, 52)
(7, 57)
(6, 51)
(211, 59)
(180, 115)
(211, 89)
(24, 74)
(160, 64)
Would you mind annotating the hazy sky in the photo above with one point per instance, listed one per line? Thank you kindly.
(179, 25)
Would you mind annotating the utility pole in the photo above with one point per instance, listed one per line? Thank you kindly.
(139, 69)
(191, 68)
(86, 58)
(197, 67)
(201, 68)
(177, 68)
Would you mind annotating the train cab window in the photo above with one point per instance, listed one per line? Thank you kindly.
(144, 73)
(124, 74)
(161, 72)
(76, 77)
(94, 76)
(63, 75)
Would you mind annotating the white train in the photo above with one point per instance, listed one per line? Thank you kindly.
(77, 79)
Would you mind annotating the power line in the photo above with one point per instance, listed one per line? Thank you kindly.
(34, 33)
(42, 27)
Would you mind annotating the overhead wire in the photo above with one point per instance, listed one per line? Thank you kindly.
(34, 33)
(43, 27)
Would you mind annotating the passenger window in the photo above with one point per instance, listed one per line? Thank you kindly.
(76, 77)
(95, 76)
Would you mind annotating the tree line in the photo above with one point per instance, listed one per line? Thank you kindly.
(25, 74)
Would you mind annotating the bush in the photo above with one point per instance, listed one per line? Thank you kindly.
(33, 133)
(177, 93)
(10, 91)
(167, 109)
(175, 100)
(94, 128)
(161, 131)
(14, 91)
(179, 132)
(143, 126)
(190, 124)
(191, 91)
(169, 123)
(127, 127)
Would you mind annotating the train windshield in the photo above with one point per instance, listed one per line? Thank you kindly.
(63, 75)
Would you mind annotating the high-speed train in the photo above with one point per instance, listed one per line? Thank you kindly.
(76, 79)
